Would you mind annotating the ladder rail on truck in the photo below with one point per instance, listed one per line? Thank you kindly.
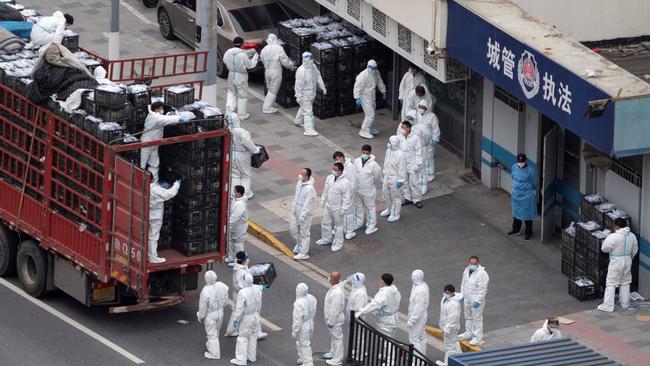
(43, 158)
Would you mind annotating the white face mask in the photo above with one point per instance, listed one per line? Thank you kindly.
(421, 111)
(300, 177)
(521, 165)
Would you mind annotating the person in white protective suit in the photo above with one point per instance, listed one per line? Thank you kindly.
(336, 202)
(394, 178)
(450, 322)
(423, 130)
(622, 247)
(50, 29)
(308, 78)
(247, 320)
(474, 289)
(430, 120)
(100, 75)
(365, 85)
(357, 299)
(302, 328)
(238, 61)
(239, 269)
(242, 147)
(334, 310)
(550, 330)
(301, 213)
(214, 296)
(158, 194)
(367, 172)
(417, 314)
(412, 78)
(415, 96)
(274, 59)
(237, 224)
(153, 130)
(412, 148)
(350, 172)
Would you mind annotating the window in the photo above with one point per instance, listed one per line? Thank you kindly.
(190, 4)
(219, 18)
(259, 17)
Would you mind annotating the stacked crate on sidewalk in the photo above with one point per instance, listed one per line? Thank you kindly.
(568, 251)
(325, 56)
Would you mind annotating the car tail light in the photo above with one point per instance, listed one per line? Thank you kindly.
(250, 46)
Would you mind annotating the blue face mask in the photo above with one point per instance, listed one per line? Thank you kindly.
(335, 173)
(473, 267)
(365, 156)
(388, 146)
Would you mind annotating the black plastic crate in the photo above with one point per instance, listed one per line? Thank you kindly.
(568, 254)
(189, 203)
(213, 154)
(568, 269)
(324, 111)
(597, 257)
(594, 243)
(191, 187)
(330, 83)
(122, 114)
(581, 233)
(363, 51)
(588, 205)
(345, 52)
(212, 244)
(324, 55)
(189, 249)
(188, 217)
(608, 222)
(165, 241)
(294, 53)
(258, 159)
(110, 98)
(188, 233)
(191, 169)
(568, 239)
(140, 99)
(133, 128)
(580, 262)
(582, 293)
(71, 42)
(287, 100)
(263, 278)
(212, 170)
(302, 41)
(327, 70)
(330, 99)
(345, 95)
(596, 274)
(21, 85)
(345, 108)
(580, 248)
(88, 103)
(212, 215)
(346, 66)
(211, 185)
(210, 124)
(345, 80)
(132, 156)
(178, 100)
(108, 136)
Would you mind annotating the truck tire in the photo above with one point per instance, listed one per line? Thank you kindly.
(32, 268)
(150, 3)
(165, 24)
(222, 70)
(8, 251)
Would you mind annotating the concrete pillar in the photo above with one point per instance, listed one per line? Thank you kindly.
(114, 32)
(489, 169)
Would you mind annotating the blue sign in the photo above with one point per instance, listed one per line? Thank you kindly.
(529, 75)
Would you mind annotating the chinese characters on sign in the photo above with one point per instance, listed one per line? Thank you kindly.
(528, 74)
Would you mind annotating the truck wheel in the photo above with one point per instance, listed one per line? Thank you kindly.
(222, 70)
(8, 251)
(150, 3)
(32, 268)
(165, 25)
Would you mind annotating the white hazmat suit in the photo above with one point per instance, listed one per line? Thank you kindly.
(350, 224)
(238, 272)
(247, 319)
(242, 147)
(357, 299)
(157, 197)
(474, 289)
(302, 328)
(308, 78)
(301, 215)
(417, 314)
(238, 62)
(412, 148)
(365, 193)
(154, 130)
(385, 304)
(365, 85)
(545, 334)
(431, 148)
(334, 310)
(274, 59)
(394, 178)
(237, 227)
(336, 201)
(412, 99)
(422, 128)
(450, 325)
(48, 29)
(622, 246)
(211, 301)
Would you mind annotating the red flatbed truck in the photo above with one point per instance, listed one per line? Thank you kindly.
(50, 168)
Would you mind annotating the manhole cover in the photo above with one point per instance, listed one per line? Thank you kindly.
(364, 244)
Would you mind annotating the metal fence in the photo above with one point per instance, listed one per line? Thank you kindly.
(369, 347)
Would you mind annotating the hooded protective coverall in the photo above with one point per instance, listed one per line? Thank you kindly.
(213, 297)
(474, 288)
(544, 334)
(336, 201)
(274, 59)
(304, 312)
(153, 130)
(242, 148)
(349, 222)
(412, 148)
(408, 83)
(430, 150)
(301, 214)
(417, 315)
(450, 324)
(385, 304)
(48, 29)
(334, 309)
(412, 99)
(308, 78)
(357, 299)
(364, 88)
(422, 128)
(237, 226)
(247, 316)
(622, 246)
(238, 63)
(157, 196)
(238, 272)
(394, 172)
(365, 193)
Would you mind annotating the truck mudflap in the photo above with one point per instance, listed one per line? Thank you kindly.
(156, 304)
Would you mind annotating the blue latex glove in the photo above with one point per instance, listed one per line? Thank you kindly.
(178, 181)
(265, 288)
(434, 143)
(330, 326)
(399, 185)
(235, 323)
(357, 101)
(184, 119)
(476, 304)
(384, 95)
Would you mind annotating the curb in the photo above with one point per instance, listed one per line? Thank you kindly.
(270, 239)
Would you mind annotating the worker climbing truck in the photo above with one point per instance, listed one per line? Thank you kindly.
(74, 208)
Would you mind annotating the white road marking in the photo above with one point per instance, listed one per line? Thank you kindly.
(71, 322)
(265, 322)
(138, 14)
(319, 275)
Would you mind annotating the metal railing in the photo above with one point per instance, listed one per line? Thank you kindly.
(368, 346)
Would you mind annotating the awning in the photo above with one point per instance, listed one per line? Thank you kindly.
(547, 70)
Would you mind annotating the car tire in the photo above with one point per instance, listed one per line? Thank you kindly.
(150, 3)
(8, 251)
(165, 25)
(222, 70)
(32, 268)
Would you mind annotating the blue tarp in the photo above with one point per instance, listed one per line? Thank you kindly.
(21, 29)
